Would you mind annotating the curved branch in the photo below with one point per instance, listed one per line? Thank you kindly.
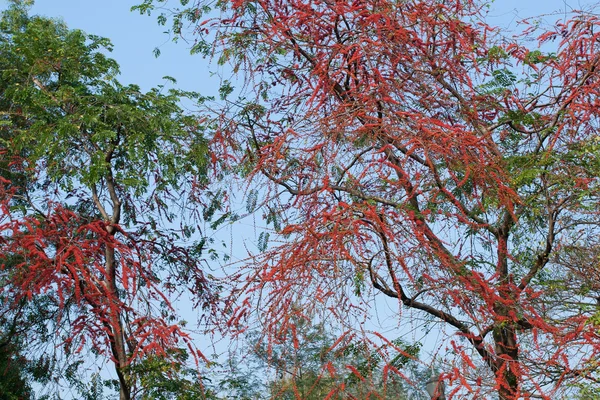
(400, 294)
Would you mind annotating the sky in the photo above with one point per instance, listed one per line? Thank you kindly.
(135, 37)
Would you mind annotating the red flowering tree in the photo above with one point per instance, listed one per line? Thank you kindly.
(406, 149)
(92, 174)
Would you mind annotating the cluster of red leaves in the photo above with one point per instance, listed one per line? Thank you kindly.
(421, 153)
(61, 256)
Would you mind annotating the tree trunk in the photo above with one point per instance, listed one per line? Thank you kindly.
(117, 340)
(506, 367)
(507, 359)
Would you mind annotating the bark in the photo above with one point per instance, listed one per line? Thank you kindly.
(117, 338)
(507, 359)
(504, 333)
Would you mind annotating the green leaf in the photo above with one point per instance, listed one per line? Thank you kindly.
(263, 241)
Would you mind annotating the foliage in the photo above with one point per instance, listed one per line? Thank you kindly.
(163, 379)
(21, 366)
(14, 384)
(410, 151)
(317, 366)
(93, 173)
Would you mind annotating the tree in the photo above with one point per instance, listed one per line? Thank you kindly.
(13, 382)
(314, 366)
(408, 149)
(92, 175)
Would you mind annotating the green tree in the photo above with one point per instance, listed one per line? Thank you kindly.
(92, 176)
(316, 365)
(14, 382)
(169, 379)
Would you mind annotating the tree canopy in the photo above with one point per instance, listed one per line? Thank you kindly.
(409, 149)
(92, 175)
(400, 150)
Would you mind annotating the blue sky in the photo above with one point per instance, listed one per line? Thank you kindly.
(135, 36)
